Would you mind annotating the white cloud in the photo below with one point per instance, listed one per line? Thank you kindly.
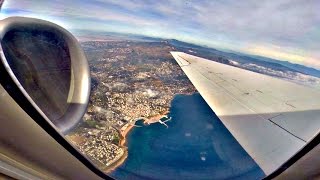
(291, 25)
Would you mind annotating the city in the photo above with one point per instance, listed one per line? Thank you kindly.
(130, 81)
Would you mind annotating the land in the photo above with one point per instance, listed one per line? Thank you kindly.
(131, 80)
(136, 78)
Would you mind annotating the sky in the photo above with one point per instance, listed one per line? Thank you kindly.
(281, 29)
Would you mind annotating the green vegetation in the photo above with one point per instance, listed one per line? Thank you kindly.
(92, 123)
(116, 139)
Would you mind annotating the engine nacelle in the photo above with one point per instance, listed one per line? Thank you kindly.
(44, 63)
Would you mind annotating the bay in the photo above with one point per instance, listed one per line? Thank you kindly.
(195, 146)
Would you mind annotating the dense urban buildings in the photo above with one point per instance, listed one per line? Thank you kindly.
(130, 81)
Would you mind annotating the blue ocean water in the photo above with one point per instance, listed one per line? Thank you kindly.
(195, 146)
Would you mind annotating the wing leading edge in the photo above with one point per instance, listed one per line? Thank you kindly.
(271, 118)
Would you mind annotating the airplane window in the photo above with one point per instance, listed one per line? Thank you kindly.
(180, 89)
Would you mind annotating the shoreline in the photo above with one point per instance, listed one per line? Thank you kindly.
(123, 140)
(124, 135)
(156, 118)
(117, 163)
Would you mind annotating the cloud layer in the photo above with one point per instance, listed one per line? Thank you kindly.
(282, 29)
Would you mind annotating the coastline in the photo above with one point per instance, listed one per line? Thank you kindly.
(150, 145)
(124, 135)
(156, 118)
(117, 163)
(122, 143)
(124, 132)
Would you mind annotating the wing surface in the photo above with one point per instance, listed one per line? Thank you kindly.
(271, 118)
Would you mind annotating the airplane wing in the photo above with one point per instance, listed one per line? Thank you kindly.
(271, 118)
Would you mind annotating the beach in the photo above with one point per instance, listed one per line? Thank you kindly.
(124, 132)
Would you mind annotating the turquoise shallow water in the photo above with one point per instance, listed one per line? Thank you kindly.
(195, 146)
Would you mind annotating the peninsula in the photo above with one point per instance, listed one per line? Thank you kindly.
(130, 81)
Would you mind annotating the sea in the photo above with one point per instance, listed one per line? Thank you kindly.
(196, 145)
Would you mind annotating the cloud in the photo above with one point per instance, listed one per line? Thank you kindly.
(296, 77)
(293, 26)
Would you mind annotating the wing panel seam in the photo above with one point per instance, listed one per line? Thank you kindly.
(270, 119)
